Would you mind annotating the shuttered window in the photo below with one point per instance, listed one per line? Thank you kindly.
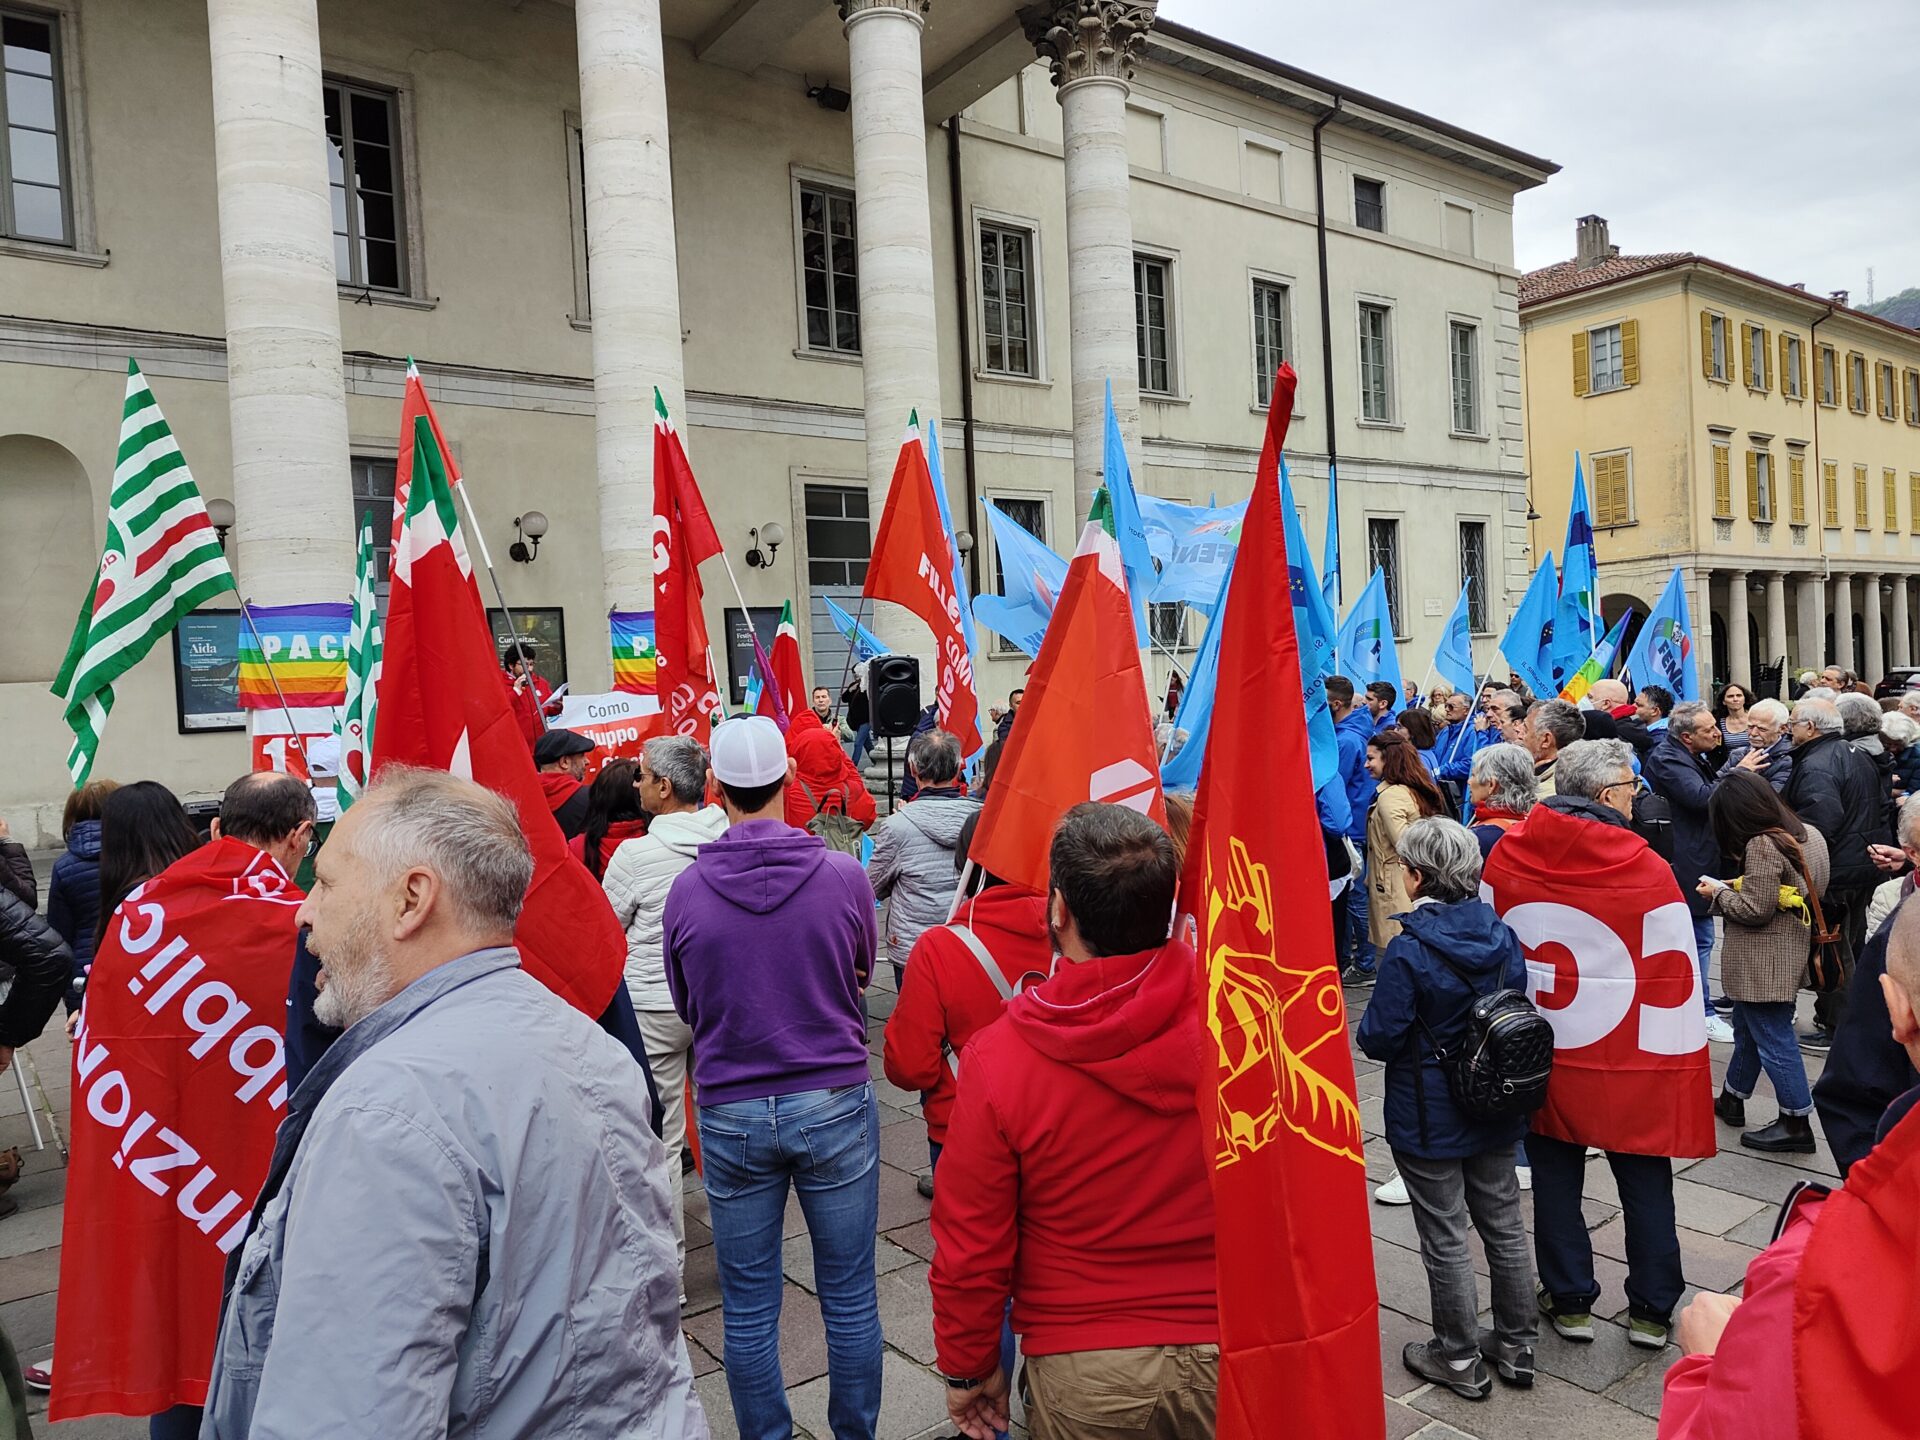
(1759, 485)
(1797, 488)
(1828, 382)
(1606, 357)
(1890, 494)
(1792, 381)
(1756, 360)
(1612, 490)
(1713, 345)
(1911, 388)
(1723, 482)
(1862, 520)
(1886, 394)
(1830, 493)
(1856, 382)
(1913, 502)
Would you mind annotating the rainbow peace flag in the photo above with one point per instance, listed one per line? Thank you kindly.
(1598, 663)
(633, 655)
(307, 647)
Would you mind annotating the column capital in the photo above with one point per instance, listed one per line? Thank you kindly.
(914, 10)
(1089, 39)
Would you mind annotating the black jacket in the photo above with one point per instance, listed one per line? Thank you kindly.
(42, 969)
(1837, 790)
(1582, 808)
(1634, 731)
(1685, 782)
(1867, 1069)
(16, 873)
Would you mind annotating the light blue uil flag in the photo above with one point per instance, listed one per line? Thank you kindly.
(1528, 643)
(1032, 576)
(1129, 530)
(1662, 653)
(1453, 661)
(1195, 716)
(1365, 645)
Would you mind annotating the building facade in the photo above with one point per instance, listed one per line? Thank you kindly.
(801, 221)
(1764, 439)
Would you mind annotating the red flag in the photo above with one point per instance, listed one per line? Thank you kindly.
(1299, 1313)
(443, 707)
(683, 536)
(179, 1082)
(413, 405)
(912, 565)
(783, 689)
(1610, 962)
(1084, 729)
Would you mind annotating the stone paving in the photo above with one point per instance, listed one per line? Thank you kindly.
(1603, 1391)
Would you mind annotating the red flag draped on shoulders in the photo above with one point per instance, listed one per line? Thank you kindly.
(683, 536)
(1299, 1312)
(1610, 963)
(1084, 730)
(912, 566)
(179, 1083)
(442, 708)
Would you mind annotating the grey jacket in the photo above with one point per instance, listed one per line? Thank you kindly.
(465, 1230)
(913, 866)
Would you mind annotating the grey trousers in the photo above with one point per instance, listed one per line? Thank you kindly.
(1447, 1194)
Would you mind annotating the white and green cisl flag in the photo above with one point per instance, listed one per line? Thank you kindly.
(161, 559)
(363, 674)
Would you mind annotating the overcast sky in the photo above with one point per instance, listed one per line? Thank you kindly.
(1769, 134)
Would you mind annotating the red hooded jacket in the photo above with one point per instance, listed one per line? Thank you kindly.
(826, 770)
(1074, 1176)
(529, 703)
(947, 999)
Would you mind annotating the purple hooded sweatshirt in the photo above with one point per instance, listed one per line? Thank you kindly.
(768, 937)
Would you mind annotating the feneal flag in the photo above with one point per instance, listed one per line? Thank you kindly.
(912, 566)
(363, 674)
(1084, 730)
(683, 536)
(442, 706)
(1299, 1313)
(1663, 652)
(161, 558)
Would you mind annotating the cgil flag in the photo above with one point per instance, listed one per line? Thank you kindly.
(865, 643)
(1364, 644)
(1597, 664)
(1031, 574)
(1129, 529)
(363, 674)
(1528, 643)
(161, 558)
(683, 536)
(937, 473)
(1453, 660)
(1280, 1121)
(1662, 653)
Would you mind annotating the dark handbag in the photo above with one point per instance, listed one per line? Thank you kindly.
(1829, 956)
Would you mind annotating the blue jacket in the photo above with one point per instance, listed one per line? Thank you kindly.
(73, 896)
(1352, 735)
(1417, 985)
(1685, 782)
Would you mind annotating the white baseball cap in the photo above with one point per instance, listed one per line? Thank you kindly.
(749, 751)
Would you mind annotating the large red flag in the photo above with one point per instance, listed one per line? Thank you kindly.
(683, 536)
(783, 688)
(179, 1082)
(413, 405)
(912, 566)
(1299, 1312)
(443, 707)
(1084, 730)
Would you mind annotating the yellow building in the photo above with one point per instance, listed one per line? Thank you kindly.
(1764, 439)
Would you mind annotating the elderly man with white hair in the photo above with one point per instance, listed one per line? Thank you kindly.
(465, 1228)
(1768, 751)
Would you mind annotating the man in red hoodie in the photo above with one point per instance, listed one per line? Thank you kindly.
(1076, 1179)
(561, 757)
(824, 779)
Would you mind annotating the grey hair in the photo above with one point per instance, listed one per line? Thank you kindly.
(1509, 769)
(679, 760)
(1910, 702)
(1899, 727)
(1910, 822)
(1588, 767)
(935, 757)
(1559, 718)
(1820, 714)
(465, 833)
(1446, 855)
(1768, 712)
(1685, 716)
(1859, 714)
(1820, 692)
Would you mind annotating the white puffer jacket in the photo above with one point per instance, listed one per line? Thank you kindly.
(637, 880)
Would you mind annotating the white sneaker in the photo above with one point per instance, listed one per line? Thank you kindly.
(1393, 1191)
(1524, 1174)
(1719, 1031)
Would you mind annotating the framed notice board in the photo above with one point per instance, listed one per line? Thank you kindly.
(206, 672)
(545, 629)
(766, 621)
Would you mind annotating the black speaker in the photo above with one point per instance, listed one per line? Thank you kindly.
(894, 683)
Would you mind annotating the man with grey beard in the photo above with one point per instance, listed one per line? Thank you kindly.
(465, 1227)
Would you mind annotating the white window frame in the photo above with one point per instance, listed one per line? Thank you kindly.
(1594, 387)
(1891, 373)
(82, 247)
(414, 293)
(990, 562)
(1723, 372)
(1354, 209)
(1255, 279)
(1797, 352)
(1478, 430)
(573, 133)
(1255, 140)
(1756, 376)
(797, 178)
(1176, 358)
(1036, 299)
(1362, 303)
(1768, 481)
(1821, 355)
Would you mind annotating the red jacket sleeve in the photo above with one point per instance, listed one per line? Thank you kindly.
(975, 1229)
(913, 1057)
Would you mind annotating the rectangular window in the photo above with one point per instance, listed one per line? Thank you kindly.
(1463, 357)
(1827, 388)
(1604, 368)
(839, 539)
(1031, 514)
(1755, 359)
(1912, 394)
(1376, 356)
(1269, 336)
(1791, 384)
(1714, 344)
(829, 269)
(35, 186)
(1168, 626)
(1759, 486)
(363, 170)
(1890, 497)
(1612, 490)
(1856, 382)
(1913, 502)
(1370, 204)
(1473, 572)
(1830, 494)
(1886, 391)
(373, 501)
(1153, 322)
(1862, 519)
(1383, 554)
(1797, 487)
(1006, 298)
(1722, 481)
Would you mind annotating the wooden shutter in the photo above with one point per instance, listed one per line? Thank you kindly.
(1746, 354)
(1753, 485)
(1855, 400)
(1706, 344)
(1582, 374)
(1890, 492)
(1789, 376)
(1907, 383)
(1722, 483)
(1879, 389)
(1830, 493)
(1766, 357)
(1913, 502)
(1630, 352)
(1861, 519)
(1610, 492)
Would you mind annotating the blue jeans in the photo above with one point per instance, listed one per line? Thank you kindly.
(862, 744)
(1703, 948)
(826, 1143)
(1763, 1038)
(1360, 947)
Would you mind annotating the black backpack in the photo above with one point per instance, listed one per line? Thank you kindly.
(1500, 1066)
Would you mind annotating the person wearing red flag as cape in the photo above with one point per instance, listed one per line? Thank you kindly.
(912, 566)
(1299, 1313)
(1610, 963)
(179, 1084)
(683, 536)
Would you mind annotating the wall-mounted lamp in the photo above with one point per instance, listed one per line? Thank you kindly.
(829, 97)
(529, 527)
(964, 542)
(220, 512)
(1886, 587)
(1532, 514)
(770, 535)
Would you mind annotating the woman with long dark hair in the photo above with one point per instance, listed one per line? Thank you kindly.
(1763, 952)
(1407, 793)
(1731, 711)
(613, 815)
(143, 830)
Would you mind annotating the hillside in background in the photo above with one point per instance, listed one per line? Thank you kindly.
(1902, 309)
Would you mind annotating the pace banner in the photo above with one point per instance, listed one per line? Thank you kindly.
(303, 647)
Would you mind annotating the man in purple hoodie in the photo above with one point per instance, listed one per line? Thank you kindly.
(769, 939)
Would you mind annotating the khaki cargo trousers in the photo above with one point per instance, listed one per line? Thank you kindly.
(1155, 1392)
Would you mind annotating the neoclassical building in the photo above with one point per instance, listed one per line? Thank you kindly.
(801, 222)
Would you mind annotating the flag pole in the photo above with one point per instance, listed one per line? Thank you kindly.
(480, 539)
(293, 729)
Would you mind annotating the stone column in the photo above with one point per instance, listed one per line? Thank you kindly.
(1777, 622)
(1812, 595)
(633, 278)
(286, 390)
(1902, 623)
(1090, 45)
(1873, 667)
(1739, 647)
(1842, 622)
